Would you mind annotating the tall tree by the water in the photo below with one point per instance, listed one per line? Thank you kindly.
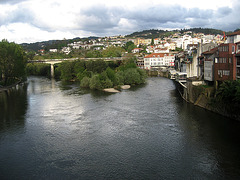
(12, 62)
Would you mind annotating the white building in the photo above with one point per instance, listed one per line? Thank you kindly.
(53, 50)
(233, 37)
(158, 60)
(208, 70)
(66, 50)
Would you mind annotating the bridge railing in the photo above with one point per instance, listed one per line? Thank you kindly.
(73, 59)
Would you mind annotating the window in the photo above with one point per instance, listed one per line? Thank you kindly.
(230, 60)
(216, 60)
(224, 60)
(220, 60)
(220, 72)
(233, 49)
(226, 72)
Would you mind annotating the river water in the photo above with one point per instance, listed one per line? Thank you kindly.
(50, 130)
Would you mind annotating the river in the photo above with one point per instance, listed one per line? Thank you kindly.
(51, 130)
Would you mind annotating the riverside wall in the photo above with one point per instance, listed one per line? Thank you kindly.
(204, 98)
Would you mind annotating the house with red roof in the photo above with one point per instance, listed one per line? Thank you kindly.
(156, 60)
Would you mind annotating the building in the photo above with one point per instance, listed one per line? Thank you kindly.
(140, 63)
(53, 50)
(238, 59)
(225, 63)
(208, 58)
(139, 41)
(156, 60)
(233, 37)
(161, 50)
(137, 50)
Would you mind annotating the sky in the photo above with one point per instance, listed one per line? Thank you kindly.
(27, 21)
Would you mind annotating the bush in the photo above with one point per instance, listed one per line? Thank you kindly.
(95, 82)
(131, 76)
(38, 69)
(120, 78)
(85, 82)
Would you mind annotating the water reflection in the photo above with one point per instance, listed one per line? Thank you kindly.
(211, 138)
(13, 107)
(146, 132)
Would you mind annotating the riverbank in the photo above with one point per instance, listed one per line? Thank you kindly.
(113, 90)
(6, 88)
(195, 93)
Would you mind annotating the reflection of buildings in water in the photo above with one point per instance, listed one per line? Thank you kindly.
(14, 106)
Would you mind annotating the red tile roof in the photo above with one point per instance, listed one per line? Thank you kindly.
(157, 55)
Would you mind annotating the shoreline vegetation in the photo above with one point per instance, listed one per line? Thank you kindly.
(109, 76)
(12, 65)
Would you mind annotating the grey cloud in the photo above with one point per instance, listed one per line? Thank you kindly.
(103, 19)
(99, 18)
(223, 11)
(11, 1)
(160, 13)
(21, 14)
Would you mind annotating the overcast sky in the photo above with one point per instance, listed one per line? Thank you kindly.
(39, 20)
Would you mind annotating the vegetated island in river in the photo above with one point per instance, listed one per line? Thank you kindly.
(110, 76)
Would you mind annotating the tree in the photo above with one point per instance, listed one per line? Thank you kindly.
(113, 51)
(12, 62)
(95, 82)
(129, 46)
(67, 71)
(131, 76)
(152, 42)
(85, 82)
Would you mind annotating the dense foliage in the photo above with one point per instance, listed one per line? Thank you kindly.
(12, 62)
(99, 74)
(229, 92)
(38, 69)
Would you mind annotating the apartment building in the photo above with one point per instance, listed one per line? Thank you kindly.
(156, 60)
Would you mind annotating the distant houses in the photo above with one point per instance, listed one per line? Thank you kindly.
(210, 58)
(212, 62)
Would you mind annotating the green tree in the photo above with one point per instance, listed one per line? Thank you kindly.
(113, 51)
(95, 82)
(131, 76)
(152, 42)
(67, 71)
(93, 54)
(129, 46)
(85, 82)
(111, 75)
(12, 62)
(229, 92)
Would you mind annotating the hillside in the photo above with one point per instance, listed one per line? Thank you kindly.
(148, 34)
(153, 33)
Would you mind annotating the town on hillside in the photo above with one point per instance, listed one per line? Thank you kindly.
(211, 58)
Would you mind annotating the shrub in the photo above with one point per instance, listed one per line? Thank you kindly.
(95, 82)
(85, 82)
